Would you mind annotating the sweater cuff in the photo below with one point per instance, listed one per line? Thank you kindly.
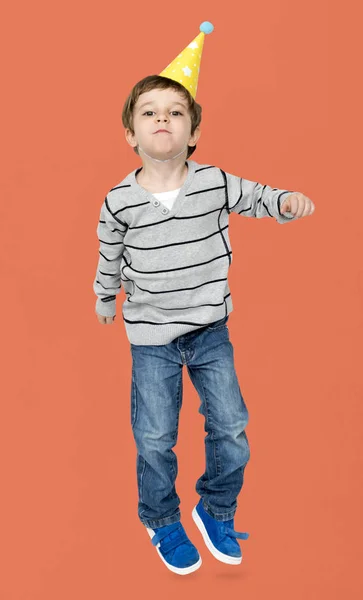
(106, 309)
(284, 218)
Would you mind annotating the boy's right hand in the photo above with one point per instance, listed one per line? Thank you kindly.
(105, 320)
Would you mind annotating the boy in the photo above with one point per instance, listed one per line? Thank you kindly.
(163, 232)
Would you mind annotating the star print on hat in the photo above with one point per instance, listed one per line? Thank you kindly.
(185, 67)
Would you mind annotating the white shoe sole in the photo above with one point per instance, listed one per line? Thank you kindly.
(225, 558)
(178, 570)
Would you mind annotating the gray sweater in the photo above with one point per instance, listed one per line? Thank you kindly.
(173, 263)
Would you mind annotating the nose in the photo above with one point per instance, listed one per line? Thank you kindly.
(162, 118)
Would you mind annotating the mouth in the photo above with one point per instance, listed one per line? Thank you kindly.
(162, 131)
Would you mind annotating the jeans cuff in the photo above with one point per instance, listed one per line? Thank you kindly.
(153, 523)
(226, 516)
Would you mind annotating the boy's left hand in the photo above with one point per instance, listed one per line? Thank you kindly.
(298, 205)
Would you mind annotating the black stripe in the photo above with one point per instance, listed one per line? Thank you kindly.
(118, 187)
(108, 299)
(227, 207)
(240, 196)
(108, 259)
(176, 268)
(208, 190)
(167, 323)
(107, 288)
(194, 241)
(110, 274)
(130, 206)
(109, 243)
(279, 203)
(110, 211)
(186, 307)
(120, 230)
(267, 210)
(177, 218)
(194, 287)
(204, 168)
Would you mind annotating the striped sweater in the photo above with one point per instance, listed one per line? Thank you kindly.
(173, 262)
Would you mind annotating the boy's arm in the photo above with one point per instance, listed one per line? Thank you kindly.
(107, 283)
(253, 199)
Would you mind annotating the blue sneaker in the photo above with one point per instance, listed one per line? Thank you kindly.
(175, 549)
(219, 536)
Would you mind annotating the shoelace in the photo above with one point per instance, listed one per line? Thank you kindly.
(174, 543)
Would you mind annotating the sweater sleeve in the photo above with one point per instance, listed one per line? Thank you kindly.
(252, 199)
(107, 283)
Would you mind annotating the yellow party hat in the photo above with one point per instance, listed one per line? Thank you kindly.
(185, 67)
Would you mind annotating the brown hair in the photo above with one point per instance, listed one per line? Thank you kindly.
(152, 82)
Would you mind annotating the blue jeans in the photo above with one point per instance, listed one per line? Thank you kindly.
(156, 399)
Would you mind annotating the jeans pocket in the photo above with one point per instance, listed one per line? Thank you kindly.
(220, 324)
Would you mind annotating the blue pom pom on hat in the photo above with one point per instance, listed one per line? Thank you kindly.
(206, 27)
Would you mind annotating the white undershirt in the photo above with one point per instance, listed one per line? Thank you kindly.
(167, 198)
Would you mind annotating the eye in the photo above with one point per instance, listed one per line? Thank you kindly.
(151, 111)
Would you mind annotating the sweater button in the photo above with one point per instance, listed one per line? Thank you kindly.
(156, 202)
(165, 211)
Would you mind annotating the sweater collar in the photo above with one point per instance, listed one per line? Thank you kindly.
(191, 164)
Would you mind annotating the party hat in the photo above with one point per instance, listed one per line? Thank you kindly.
(185, 67)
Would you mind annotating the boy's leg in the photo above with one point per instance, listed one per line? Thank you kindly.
(213, 374)
(156, 399)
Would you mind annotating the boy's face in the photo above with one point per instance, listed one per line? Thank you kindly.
(162, 109)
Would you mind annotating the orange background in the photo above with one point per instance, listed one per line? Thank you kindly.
(280, 87)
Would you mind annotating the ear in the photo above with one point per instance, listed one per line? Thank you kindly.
(130, 138)
(195, 137)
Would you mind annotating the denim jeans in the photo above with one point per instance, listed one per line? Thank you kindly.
(156, 400)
